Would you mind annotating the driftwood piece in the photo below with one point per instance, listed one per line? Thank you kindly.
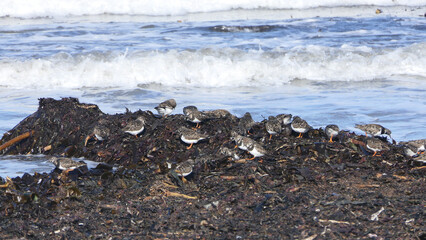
(16, 139)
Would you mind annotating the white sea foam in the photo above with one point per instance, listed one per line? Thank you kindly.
(43, 8)
(215, 67)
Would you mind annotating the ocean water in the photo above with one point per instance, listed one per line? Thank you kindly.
(328, 62)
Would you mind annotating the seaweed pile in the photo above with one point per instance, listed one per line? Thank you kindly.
(302, 188)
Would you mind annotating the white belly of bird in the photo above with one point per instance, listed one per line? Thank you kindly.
(189, 141)
(183, 174)
(299, 130)
(242, 147)
(165, 111)
(256, 153)
(377, 133)
(99, 137)
(409, 152)
(333, 132)
(196, 120)
(373, 149)
(272, 132)
(136, 132)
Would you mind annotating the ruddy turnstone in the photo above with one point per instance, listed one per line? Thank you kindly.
(229, 153)
(100, 132)
(193, 115)
(377, 145)
(300, 126)
(273, 126)
(332, 130)
(240, 141)
(190, 136)
(418, 146)
(246, 123)
(284, 118)
(166, 107)
(256, 150)
(374, 129)
(248, 144)
(135, 127)
(66, 164)
(410, 150)
(183, 169)
(218, 113)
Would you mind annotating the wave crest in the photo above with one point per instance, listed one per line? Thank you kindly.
(214, 67)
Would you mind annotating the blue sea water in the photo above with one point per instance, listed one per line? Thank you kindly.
(341, 70)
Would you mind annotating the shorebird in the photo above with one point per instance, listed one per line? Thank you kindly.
(417, 146)
(66, 164)
(376, 145)
(240, 141)
(100, 132)
(218, 113)
(184, 169)
(193, 115)
(189, 136)
(273, 126)
(135, 127)
(284, 118)
(256, 150)
(300, 126)
(229, 153)
(246, 123)
(248, 144)
(410, 150)
(374, 129)
(332, 130)
(166, 107)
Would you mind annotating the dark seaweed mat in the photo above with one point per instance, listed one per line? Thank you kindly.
(305, 189)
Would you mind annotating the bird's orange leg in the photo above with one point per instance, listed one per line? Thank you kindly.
(270, 136)
(300, 135)
(331, 139)
(190, 146)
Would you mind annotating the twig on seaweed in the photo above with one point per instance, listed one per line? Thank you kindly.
(16, 139)
(402, 177)
(335, 221)
(366, 185)
(418, 168)
(250, 176)
(7, 184)
(175, 194)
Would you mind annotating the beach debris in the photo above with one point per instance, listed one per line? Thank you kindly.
(375, 216)
(16, 139)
